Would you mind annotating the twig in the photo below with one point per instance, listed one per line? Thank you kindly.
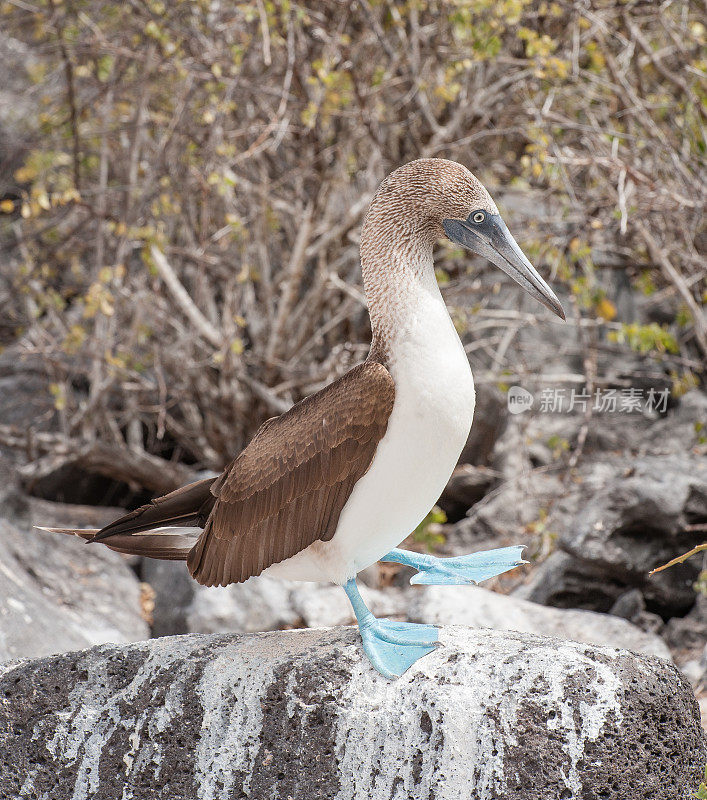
(184, 301)
(265, 30)
(293, 279)
(659, 255)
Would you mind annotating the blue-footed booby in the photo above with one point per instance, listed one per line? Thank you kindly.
(338, 481)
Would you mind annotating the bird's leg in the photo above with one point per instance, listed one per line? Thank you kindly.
(459, 569)
(392, 647)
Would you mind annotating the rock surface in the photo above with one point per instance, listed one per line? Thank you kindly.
(57, 594)
(301, 714)
(262, 604)
(76, 600)
(258, 604)
(479, 608)
(628, 516)
(639, 515)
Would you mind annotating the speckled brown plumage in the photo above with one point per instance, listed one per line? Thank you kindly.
(286, 490)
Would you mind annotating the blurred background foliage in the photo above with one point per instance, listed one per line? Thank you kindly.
(183, 184)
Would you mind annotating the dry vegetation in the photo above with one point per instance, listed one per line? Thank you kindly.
(180, 251)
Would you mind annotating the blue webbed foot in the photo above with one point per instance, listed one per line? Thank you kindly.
(391, 647)
(471, 568)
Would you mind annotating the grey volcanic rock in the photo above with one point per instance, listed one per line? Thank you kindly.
(640, 517)
(301, 714)
(174, 590)
(680, 430)
(567, 582)
(619, 519)
(258, 604)
(57, 596)
(466, 486)
(480, 608)
(57, 593)
(490, 419)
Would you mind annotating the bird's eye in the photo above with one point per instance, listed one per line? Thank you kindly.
(479, 216)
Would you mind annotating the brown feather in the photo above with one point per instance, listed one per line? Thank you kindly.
(170, 546)
(287, 489)
(185, 507)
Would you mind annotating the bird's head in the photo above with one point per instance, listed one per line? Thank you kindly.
(439, 198)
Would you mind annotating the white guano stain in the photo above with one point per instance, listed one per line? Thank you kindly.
(474, 715)
(230, 692)
(81, 735)
(482, 690)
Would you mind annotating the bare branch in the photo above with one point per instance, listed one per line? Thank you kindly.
(185, 303)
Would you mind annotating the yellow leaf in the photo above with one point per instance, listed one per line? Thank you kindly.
(57, 392)
(606, 309)
(70, 195)
(74, 339)
(7, 206)
(116, 360)
(25, 174)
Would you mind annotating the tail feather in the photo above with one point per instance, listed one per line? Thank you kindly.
(156, 544)
(168, 544)
(82, 533)
(166, 528)
(185, 507)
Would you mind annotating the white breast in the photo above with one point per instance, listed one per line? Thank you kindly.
(428, 427)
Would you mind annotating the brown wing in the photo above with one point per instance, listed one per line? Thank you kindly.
(286, 490)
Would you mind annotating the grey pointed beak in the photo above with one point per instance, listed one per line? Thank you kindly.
(492, 240)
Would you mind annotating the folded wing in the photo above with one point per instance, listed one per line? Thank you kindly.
(287, 489)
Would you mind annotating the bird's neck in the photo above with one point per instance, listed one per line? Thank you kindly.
(403, 297)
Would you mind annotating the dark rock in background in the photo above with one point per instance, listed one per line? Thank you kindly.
(505, 513)
(467, 485)
(174, 590)
(634, 516)
(490, 419)
(623, 519)
(565, 582)
(688, 635)
(679, 431)
(631, 606)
